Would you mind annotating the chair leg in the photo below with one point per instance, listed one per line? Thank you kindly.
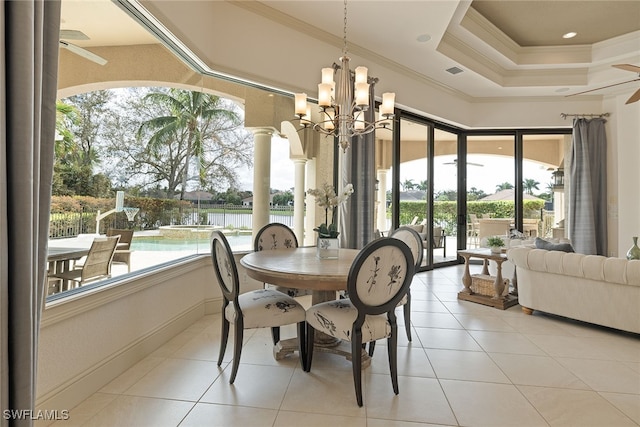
(372, 347)
(356, 363)
(224, 337)
(237, 349)
(309, 335)
(407, 316)
(392, 349)
(302, 344)
(275, 334)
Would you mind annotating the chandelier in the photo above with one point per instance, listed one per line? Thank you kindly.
(342, 108)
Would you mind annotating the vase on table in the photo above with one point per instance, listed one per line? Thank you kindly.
(327, 248)
(634, 251)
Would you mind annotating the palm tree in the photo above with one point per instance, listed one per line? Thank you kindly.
(529, 185)
(189, 115)
(504, 186)
(408, 184)
(423, 185)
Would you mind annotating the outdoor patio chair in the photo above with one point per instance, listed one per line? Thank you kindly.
(439, 239)
(378, 279)
(277, 236)
(123, 250)
(262, 308)
(96, 266)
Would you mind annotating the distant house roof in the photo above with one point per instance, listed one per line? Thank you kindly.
(413, 196)
(196, 195)
(508, 194)
(250, 199)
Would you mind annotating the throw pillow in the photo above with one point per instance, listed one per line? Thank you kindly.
(543, 244)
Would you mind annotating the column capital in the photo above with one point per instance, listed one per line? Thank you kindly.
(263, 131)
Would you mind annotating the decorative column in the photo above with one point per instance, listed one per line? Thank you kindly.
(298, 198)
(382, 200)
(261, 178)
(310, 218)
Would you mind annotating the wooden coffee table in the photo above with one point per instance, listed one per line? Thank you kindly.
(498, 299)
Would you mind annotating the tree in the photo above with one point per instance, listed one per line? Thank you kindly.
(79, 126)
(92, 110)
(504, 186)
(160, 135)
(407, 185)
(423, 185)
(475, 194)
(198, 126)
(529, 185)
(283, 198)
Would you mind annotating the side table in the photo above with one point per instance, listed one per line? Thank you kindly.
(498, 299)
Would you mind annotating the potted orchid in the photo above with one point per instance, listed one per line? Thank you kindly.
(327, 198)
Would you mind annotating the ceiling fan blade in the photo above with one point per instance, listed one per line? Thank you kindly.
(628, 67)
(73, 35)
(455, 162)
(83, 52)
(603, 87)
(634, 98)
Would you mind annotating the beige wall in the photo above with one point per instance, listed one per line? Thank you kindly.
(87, 340)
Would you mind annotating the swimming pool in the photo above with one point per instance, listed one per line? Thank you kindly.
(239, 242)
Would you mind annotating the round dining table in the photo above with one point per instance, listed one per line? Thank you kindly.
(301, 268)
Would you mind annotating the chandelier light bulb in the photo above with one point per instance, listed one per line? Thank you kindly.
(301, 104)
(388, 102)
(361, 74)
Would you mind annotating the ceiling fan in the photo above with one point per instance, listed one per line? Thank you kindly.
(455, 162)
(627, 67)
(79, 35)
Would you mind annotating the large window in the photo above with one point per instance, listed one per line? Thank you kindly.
(181, 162)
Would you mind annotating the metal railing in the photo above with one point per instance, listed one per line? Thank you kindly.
(72, 224)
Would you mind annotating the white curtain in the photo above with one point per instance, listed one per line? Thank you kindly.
(29, 43)
(588, 191)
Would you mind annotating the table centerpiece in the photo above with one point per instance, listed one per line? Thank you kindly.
(327, 198)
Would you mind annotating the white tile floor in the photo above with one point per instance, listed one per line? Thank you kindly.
(468, 365)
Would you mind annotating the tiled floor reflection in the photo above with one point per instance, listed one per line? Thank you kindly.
(468, 365)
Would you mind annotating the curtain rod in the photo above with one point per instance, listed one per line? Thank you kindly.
(565, 115)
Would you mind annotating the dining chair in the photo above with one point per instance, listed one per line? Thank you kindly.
(412, 239)
(262, 308)
(378, 279)
(276, 236)
(123, 250)
(96, 266)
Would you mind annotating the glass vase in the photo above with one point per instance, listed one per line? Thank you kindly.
(634, 251)
(327, 248)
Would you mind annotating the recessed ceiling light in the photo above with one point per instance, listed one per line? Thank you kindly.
(562, 89)
(569, 35)
(423, 38)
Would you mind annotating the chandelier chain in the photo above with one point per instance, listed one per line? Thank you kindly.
(344, 37)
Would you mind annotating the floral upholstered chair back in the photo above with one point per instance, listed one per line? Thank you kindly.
(380, 276)
(412, 239)
(225, 266)
(275, 236)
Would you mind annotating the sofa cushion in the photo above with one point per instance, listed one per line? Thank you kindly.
(544, 244)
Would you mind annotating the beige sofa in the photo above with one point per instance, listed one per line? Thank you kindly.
(590, 288)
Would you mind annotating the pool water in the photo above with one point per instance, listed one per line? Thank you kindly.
(240, 242)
